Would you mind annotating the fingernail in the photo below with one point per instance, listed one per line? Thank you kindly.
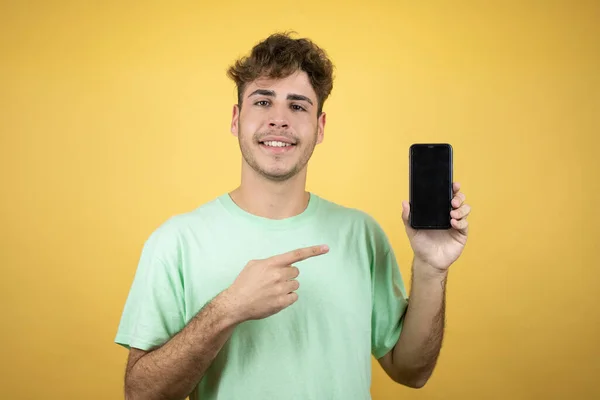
(324, 247)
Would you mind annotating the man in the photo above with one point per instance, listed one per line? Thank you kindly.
(270, 291)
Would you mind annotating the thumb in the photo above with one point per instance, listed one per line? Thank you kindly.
(405, 211)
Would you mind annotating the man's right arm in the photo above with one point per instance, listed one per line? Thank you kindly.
(173, 370)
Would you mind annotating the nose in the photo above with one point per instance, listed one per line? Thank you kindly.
(278, 118)
(278, 123)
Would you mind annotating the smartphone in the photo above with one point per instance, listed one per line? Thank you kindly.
(430, 166)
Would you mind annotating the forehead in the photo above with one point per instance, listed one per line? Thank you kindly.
(297, 83)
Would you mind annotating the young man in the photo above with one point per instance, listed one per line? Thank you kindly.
(270, 291)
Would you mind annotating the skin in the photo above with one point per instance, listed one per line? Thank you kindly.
(412, 361)
(273, 186)
(172, 371)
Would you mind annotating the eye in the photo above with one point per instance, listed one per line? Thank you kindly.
(297, 107)
(262, 103)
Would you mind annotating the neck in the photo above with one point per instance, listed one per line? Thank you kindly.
(270, 199)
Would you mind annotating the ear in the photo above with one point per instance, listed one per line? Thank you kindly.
(235, 119)
(321, 127)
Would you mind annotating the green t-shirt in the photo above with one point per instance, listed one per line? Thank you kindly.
(350, 304)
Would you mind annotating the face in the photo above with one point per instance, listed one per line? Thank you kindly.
(277, 126)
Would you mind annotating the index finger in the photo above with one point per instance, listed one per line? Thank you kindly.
(455, 187)
(299, 255)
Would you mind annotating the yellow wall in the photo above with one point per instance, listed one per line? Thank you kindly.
(114, 117)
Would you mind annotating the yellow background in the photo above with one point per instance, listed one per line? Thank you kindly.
(115, 116)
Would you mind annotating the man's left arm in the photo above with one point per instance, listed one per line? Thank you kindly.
(412, 360)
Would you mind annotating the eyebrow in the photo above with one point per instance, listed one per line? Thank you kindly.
(271, 93)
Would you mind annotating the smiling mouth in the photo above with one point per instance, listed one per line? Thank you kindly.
(275, 147)
(274, 143)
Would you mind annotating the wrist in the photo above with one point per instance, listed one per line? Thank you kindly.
(427, 271)
(231, 307)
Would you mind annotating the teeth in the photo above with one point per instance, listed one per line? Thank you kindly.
(277, 144)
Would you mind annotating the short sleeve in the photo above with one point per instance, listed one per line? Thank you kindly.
(389, 301)
(154, 309)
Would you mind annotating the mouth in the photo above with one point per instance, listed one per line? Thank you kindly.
(277, 147)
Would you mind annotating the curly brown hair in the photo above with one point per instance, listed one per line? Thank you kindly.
(279, 56)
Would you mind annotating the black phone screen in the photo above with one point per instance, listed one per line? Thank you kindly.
(430, 186)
